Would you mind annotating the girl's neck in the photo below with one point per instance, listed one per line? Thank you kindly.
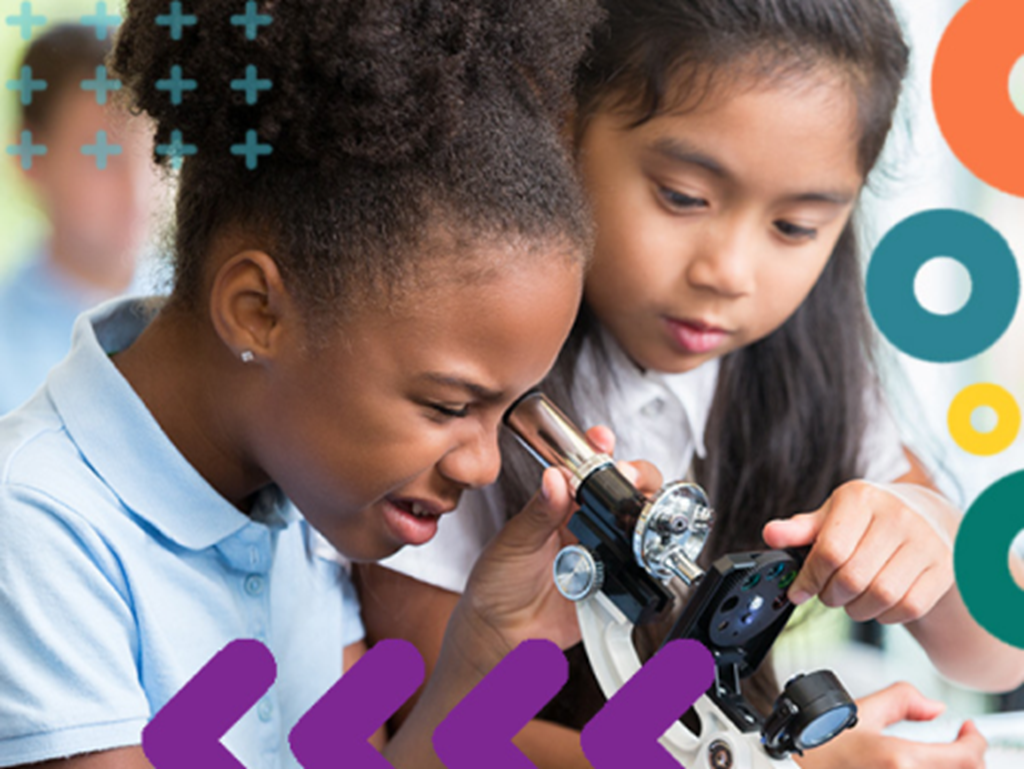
(184, 376)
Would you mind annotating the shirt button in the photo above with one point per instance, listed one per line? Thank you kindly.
(265, 710)
(653, 408)
(254, 584)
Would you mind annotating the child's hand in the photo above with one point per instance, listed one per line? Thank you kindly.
(866, 746)
(511, 595)
(882, 551)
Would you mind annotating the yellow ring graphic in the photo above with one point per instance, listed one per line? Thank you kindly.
(1007, 412)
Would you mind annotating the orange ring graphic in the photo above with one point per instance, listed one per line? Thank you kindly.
(971, 91)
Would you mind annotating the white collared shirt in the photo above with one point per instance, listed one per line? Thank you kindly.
(658, 417)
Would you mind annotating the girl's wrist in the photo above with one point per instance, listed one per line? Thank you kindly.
(458, 670)
(938, 511)
(472, 646)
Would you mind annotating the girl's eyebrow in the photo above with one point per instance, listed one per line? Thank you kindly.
(681, 152)
(835, 198)
(678, 151)
(477, 390)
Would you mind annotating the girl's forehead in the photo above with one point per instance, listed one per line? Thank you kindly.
(797, 135)
(789, 80)
(706, 87)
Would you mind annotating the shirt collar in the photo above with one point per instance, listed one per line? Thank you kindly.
(125, 445)
(696, 392)
(631, 389)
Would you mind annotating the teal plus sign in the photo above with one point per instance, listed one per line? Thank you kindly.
(176, 150)
(101, 20)
(176, 85)
(101, 149)
(251, 85)
(26, 149)
(26, 21)
(26, 85)
(101, 85)
(176, 20)
(251, 20)
(252, 149)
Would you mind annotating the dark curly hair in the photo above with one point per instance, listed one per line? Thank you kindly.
(389, 122)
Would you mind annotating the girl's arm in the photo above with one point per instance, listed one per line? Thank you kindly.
(866, 746)
(397, 606)
(958, 646)
(885, 552)
(121, 758)
(510, 598)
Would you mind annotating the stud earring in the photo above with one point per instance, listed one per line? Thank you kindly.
(247, 356)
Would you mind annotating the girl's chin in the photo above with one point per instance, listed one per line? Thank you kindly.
(667, 359)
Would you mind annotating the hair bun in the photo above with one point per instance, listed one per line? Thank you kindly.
(383, 83)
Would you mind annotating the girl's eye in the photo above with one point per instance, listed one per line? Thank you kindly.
(795, 232)
(679, 200)
(449, 411)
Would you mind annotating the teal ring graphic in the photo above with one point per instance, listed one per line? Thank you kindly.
(981, 562)
(995, 279)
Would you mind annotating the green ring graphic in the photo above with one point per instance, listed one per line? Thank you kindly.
(980, 559)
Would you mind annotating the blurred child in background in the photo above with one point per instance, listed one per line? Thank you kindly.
(99, 217)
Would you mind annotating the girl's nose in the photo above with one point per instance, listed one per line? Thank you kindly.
(476, 461)
(724, 261)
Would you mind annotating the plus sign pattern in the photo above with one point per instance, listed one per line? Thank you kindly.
(177, 21)
(26, 149)
(26, 20)
(26, 85)
(101, 84)
(101, 21)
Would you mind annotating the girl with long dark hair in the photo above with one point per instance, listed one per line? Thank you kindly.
(724, 334)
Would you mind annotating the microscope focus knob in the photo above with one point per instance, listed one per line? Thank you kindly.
(578, 572)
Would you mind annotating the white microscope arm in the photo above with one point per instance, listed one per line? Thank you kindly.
(608, 639)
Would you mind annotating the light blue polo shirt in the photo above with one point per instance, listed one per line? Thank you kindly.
(122, 572)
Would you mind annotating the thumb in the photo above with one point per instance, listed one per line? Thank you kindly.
(969, 732)
(797, 531)
(899, 702)
(544, 515)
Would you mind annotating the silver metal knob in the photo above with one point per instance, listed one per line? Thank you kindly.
(578, 573)
(671, 531)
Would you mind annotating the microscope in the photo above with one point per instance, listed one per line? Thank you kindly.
(629, 548)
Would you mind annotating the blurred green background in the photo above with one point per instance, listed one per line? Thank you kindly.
(21, 222)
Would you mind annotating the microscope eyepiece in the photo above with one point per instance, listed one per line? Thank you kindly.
(552, 437)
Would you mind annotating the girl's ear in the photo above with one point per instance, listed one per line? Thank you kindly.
(249, 305)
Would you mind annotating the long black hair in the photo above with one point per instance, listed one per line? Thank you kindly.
(789, 412)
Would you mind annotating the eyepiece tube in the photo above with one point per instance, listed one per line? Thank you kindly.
(553, 438)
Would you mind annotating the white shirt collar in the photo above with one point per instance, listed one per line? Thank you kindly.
(626, 391)
(696, 392)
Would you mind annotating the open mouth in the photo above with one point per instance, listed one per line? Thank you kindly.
(412, 521)
(415, 508)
